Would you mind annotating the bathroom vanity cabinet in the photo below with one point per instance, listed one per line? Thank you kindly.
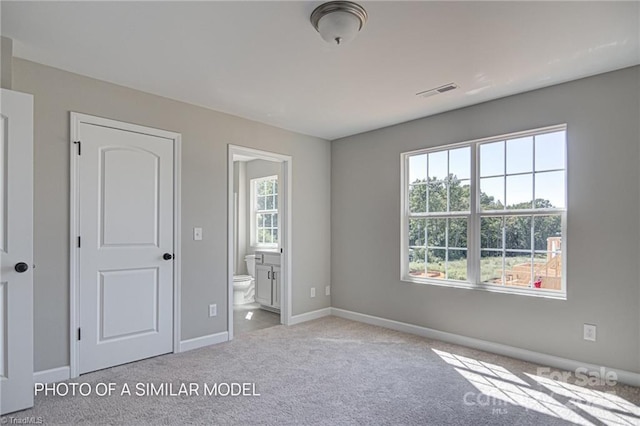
(267, 280)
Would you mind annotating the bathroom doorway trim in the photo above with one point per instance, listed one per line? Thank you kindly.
(286, 221)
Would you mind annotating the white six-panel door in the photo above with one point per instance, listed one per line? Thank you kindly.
(16, 251)
(126, 243)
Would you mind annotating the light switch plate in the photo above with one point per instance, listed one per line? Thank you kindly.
(213, 310)
(327, 291)
(197, 234)
(313, 292)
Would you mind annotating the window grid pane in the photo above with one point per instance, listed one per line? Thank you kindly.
(266, 212)
(522, 241)
(446, 248)
(416, 262)
(418, 198)
(516, 250)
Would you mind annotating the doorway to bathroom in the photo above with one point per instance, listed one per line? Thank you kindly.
(259, 238)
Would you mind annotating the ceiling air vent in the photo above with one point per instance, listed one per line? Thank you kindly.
(437, 90)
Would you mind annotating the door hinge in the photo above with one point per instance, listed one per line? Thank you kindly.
(79, 333)
(79, 146)
(79, 241)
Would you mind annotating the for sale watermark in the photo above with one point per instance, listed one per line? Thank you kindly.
(141, 389)
(576, 389)
(572, 390)
(583, 376)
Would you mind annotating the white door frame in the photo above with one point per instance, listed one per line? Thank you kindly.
(74, 294)
(286, 243)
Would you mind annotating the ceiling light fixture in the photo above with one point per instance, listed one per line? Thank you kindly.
(338, 21)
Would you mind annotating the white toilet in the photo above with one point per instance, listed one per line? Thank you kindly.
(244, 288)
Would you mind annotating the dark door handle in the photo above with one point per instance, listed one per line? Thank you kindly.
(21, 267)
(167, 256)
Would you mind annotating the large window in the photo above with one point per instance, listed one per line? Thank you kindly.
(488, 214)
(264, 196)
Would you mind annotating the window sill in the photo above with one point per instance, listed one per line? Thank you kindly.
(548, 294)
(266, 249)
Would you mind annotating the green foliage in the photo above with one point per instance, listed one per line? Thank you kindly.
(425, 235)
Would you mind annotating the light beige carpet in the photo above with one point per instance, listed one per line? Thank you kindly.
(337, 372)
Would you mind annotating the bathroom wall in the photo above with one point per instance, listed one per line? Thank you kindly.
(240, 198)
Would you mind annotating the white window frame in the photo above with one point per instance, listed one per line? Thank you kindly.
(255, 212)
(473, 228)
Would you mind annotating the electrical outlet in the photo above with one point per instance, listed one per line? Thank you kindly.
(213, 310)
(313, 292)
(590, 332)
(197, 234)
(327, 291)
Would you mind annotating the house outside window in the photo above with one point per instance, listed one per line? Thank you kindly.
(264, 208)
(488, 214)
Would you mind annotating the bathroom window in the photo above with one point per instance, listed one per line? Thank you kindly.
(264, 196)
(488, 214)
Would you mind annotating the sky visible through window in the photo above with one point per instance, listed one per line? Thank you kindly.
(536, 159)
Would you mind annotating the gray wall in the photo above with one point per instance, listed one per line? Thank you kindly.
(205, 135)
(603, 236)
(6, 59)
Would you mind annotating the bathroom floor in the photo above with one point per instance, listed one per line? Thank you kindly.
(250, 317)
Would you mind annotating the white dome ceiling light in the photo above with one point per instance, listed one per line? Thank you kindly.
(338, 22)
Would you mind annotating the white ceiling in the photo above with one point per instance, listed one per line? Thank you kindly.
(264, 61)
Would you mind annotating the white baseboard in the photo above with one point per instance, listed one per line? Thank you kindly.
(200, 342)
(54, 375)
(60, 374)
(308, 316)
(627, 377)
